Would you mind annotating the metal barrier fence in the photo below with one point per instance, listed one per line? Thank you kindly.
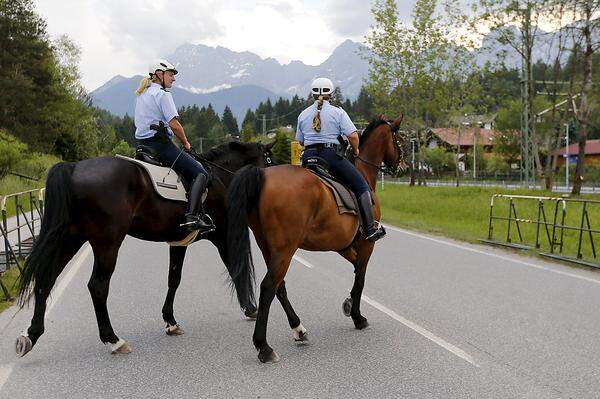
(18, 233)
(552, 231)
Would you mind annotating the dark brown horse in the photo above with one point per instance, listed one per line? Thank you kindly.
(102, 200)
(287, 207)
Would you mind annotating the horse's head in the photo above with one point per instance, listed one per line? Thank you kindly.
(394, 150)
(256, 154)
(390, 141)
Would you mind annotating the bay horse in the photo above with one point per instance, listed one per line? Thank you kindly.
(288, 207)
(100, 201)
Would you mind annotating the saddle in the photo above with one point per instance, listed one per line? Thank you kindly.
(166, 182)
(345, 199)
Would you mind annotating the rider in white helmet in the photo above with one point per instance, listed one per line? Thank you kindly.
(318, 129)
(156, 121)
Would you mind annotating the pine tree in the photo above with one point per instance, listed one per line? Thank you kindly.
(229, 122)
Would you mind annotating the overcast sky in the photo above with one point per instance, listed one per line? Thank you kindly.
(123, 36)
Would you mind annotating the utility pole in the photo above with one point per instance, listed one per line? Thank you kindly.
(528, 174)
(458, 154)
(264, 124)
(567, 157)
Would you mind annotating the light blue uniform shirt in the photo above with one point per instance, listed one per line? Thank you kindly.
(151, 107)
(334, 121)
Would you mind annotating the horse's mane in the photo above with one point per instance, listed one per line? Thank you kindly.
(370, 128)
(216, 153)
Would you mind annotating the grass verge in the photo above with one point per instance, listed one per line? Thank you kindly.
(9, 279)
(463, 213)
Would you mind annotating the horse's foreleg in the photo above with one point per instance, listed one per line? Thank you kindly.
(298, 330)
(176, 257)
(105, 259)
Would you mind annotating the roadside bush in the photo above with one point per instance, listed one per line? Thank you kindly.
(439, 160)
(122, 148)
(11, 152)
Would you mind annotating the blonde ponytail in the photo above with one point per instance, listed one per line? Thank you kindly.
(144, 84)
(317, 119)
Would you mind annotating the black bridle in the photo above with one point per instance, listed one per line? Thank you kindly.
(397, 145)
(267, 157)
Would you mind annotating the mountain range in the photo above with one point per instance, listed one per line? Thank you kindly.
(242, 80)
(221, 77)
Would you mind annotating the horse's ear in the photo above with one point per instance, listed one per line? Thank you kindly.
(237, 146)
(383, 117)
(397, 122)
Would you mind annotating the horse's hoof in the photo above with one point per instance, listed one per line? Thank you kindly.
(173, 330)
(347, 307)
(251, 313)
(269, 356)
(361, 323)
(300, 334)
(23, 346)
(121, 347)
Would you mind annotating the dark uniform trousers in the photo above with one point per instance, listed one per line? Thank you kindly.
(169, 153)
(342, 169)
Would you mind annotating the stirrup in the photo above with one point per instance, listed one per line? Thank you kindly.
(204, 224)
(375, 234)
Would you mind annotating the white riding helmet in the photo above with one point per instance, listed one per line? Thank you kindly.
(322, 87)
(161, 65)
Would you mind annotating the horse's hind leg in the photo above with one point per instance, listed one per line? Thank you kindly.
(176, 257)
(104, 265)
(277, 268)
(298, 330)
(41, 292)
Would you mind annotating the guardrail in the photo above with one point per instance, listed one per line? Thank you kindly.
(552, 232)
(19, 232)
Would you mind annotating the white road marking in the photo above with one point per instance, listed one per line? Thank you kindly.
(304, 262)
(413, 326)
(5, 372)
(506, 258)
(7, 369)
(66, 280)
(420, 330)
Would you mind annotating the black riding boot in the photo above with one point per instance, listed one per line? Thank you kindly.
(373, 230)
(195, 218)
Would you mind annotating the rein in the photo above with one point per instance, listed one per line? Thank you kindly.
(200, 158)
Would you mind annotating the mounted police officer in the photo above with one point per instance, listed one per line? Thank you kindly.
(156, 121)
(318, 129)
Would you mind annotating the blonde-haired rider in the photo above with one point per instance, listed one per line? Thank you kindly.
(156, 121)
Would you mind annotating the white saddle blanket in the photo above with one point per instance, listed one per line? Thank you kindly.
(166, 182)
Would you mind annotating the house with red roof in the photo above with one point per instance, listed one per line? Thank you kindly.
(592, 153)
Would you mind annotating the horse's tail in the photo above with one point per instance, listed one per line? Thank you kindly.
(242, 197)
(43, 265)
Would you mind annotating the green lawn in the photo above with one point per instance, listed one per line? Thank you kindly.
(463, 213)
(9, 279)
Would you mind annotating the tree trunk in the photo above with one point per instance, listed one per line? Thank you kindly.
(584, 110)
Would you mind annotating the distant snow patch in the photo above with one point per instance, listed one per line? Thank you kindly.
(241, 73)
(201, 90)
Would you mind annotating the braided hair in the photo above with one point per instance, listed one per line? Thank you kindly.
(317, 119)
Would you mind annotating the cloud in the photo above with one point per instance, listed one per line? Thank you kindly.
(349, 18)
(152, 29)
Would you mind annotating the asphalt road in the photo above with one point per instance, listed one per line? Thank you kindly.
(448, 320)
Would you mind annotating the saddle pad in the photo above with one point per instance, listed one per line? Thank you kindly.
(165, 181)
(344, 198)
